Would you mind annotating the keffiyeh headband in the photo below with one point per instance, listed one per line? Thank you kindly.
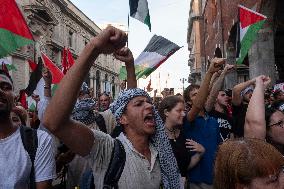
(83, 111)
(169, 169)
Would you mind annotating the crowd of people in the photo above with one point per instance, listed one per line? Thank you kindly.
(209, 137)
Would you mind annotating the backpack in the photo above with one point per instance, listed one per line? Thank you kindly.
(30, 142)
(113, 173)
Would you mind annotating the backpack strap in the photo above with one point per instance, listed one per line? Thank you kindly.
(30, 142)
(101, 122)
(115, 166)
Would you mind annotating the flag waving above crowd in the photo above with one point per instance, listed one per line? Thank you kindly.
(158, 50)
(14, 31)
(250, 23)
(140, 11)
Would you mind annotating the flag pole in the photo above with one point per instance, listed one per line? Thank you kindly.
(127, 30)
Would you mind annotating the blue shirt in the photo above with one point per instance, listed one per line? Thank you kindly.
(205, 131)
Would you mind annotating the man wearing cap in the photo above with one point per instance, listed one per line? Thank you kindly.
(149, 158)
(240, 100)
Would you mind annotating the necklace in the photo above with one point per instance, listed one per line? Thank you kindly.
(172, 132)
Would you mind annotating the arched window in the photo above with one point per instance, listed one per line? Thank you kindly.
(218, 53)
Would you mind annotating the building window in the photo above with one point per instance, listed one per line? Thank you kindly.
(70, 39)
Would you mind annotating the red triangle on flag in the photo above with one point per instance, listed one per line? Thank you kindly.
(64, 62)
(70, 58)
(32, 65)
(57, 75)
(249, 17)
(11, 19)
(23, 99)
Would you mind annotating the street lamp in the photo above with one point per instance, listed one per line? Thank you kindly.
(183, 80)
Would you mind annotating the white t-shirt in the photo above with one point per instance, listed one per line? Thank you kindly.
(15, 163)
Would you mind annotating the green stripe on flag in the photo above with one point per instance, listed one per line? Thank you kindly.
(11, 67)
(249, 39)
(10, 42)
(147, 21)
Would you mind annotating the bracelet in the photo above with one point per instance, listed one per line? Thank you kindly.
(47, 87)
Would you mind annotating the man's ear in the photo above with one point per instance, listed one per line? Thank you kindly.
(166, 112)
(123, 120)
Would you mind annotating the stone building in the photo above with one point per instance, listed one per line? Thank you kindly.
(219, 23)
(56, 24)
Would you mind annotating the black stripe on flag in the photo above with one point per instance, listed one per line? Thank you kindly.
(34, 78)
(133, 4)
(161, 46)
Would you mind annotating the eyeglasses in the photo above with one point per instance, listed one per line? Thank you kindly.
(278, 124)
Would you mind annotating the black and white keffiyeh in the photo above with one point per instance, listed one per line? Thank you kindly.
(169, 169)
(83, 111)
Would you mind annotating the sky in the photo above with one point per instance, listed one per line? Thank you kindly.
(169, 18)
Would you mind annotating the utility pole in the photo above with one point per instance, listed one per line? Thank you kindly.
(183, 80)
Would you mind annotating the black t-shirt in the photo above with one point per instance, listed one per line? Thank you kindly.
(225, 123)
(182, 154)
(239, 115)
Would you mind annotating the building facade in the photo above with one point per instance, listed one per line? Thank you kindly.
(56, 24)
(219, 20)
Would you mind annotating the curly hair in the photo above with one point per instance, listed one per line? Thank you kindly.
(188, 90)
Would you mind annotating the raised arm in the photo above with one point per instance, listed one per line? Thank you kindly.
(57, 116)
(216, 88)
(236, 96)
(125, 55)
(255, 116)
(203, 91)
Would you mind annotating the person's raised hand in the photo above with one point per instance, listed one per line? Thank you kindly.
(228, 68)
(109, 40)
(47, 77)
(216, 65)
(263, 80)
(124, 55)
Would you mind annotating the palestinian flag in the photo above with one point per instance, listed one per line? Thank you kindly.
(250, 23)
(139, 10)
(158, 50)
(14, 31)
(36, 83)
(8, 64)
(35, 77)
(56, 73)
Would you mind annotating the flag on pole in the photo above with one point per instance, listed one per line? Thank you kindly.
(35, 77)
(14, 31)
(139, 10)
(250, 23)
(57, 75)
(6, 62)
(158, 50)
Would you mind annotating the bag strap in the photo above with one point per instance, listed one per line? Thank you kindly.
(116, 166)
(101, 122)
(30, 142)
